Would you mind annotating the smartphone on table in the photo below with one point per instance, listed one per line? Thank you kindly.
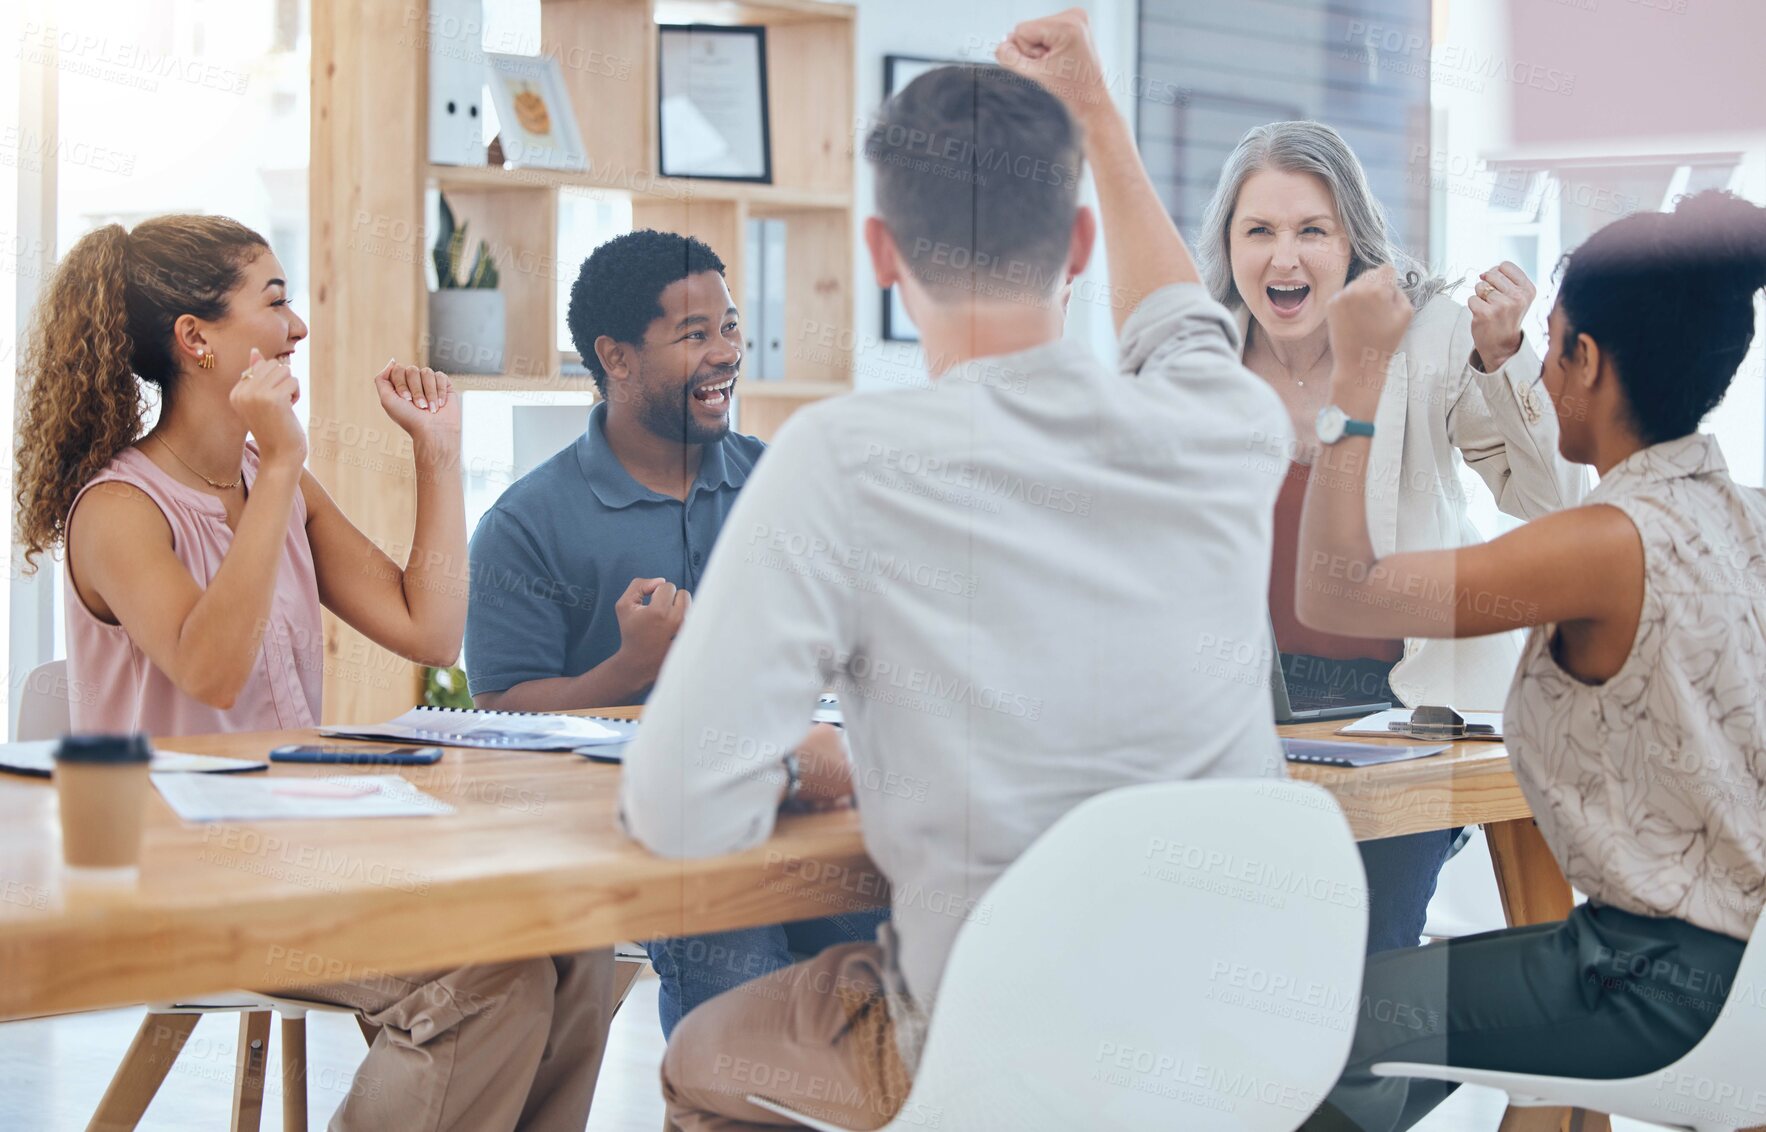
(357, 756)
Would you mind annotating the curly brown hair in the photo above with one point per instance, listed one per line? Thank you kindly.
(103, 326)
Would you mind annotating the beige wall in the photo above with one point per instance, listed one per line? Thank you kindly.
(1640, 68)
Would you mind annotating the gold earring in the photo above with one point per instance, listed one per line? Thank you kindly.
(206, 361)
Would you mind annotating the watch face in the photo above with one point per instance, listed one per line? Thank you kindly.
(1331, 421)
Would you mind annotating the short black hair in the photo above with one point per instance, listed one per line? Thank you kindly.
(978, 180)
(1670, 297)
(618, 291)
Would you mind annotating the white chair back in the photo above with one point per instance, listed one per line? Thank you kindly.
(44, 711)
(1179, 955)
(1722, 1076)
(1716, 1087)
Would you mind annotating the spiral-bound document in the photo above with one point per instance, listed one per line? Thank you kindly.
(1327, 753)
(502, 730)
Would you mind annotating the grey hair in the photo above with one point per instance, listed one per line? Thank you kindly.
(1308, 147)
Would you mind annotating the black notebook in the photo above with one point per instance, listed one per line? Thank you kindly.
(1327, 753)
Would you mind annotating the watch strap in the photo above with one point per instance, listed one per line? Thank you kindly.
(793, 779)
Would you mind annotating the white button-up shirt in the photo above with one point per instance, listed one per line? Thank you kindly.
(1035, 581)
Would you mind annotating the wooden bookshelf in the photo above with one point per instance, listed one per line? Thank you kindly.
(765, 198)
(810, 100)
(370, 178)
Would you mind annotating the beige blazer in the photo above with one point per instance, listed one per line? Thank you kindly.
(1436, 410)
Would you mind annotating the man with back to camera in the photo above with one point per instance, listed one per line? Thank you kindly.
(1007, 576)
(582, 571)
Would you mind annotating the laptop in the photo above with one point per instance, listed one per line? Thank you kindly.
(1301, 707)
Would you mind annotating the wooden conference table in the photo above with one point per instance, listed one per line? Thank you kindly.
(532, 862)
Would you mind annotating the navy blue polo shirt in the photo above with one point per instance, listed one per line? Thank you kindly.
(551, 558)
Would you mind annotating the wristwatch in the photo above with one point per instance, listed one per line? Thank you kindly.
(1334, 424)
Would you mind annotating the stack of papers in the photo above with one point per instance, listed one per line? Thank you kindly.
(827, 710)
(203, 798)
(501, 730)
(1326, 753)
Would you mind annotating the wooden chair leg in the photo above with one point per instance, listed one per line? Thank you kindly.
(248, 1070)
(625, 973)
(142, 1071)
(294, 1074)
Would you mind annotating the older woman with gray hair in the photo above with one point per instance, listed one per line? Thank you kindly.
(1290, 224)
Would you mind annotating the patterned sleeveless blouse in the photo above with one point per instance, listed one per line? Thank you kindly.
(1649, 787)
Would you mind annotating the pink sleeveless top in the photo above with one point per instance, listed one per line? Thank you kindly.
(116, 688)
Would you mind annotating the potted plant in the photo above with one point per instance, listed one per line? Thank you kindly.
(445, 687)
(466, 309)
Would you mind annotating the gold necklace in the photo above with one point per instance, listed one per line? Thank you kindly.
(1289, 373)
(1323, 360)
(194, 472)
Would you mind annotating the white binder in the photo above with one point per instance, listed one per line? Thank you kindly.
(456, 82)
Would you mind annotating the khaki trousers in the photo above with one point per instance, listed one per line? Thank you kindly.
(815, 1036)
(486, 1048)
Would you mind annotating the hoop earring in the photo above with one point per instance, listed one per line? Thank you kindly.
(205, 361)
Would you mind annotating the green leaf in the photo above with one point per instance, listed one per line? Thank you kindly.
(456, 253)
(484, 270)
(444, 254)
(445, 687)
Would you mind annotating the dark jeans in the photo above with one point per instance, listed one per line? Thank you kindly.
(1401, 876)
(1603, 994)
(695, 969)
(1401, 871)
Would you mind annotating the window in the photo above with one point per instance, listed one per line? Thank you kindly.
(1209, 72)
(153, 106)
(1417, 89)
(1538, 210)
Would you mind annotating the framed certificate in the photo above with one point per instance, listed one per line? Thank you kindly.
(712, 103)
(899, 71)
(535, 122)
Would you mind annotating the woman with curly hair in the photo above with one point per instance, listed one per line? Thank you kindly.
(199, 553)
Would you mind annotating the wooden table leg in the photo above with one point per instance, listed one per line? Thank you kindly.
(1534, 891)
(1518, 1119)
(294, 1074)
(142, 1071)
(248, 1071)
(1533, 888)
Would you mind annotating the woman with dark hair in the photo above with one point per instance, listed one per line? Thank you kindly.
(1633, 721)
(199, 554)
(1290, 224)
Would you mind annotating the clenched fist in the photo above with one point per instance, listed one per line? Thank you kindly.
(1057, 52)
(1367, 321)
(264, 398)
(1499, 302)
(646, 630)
